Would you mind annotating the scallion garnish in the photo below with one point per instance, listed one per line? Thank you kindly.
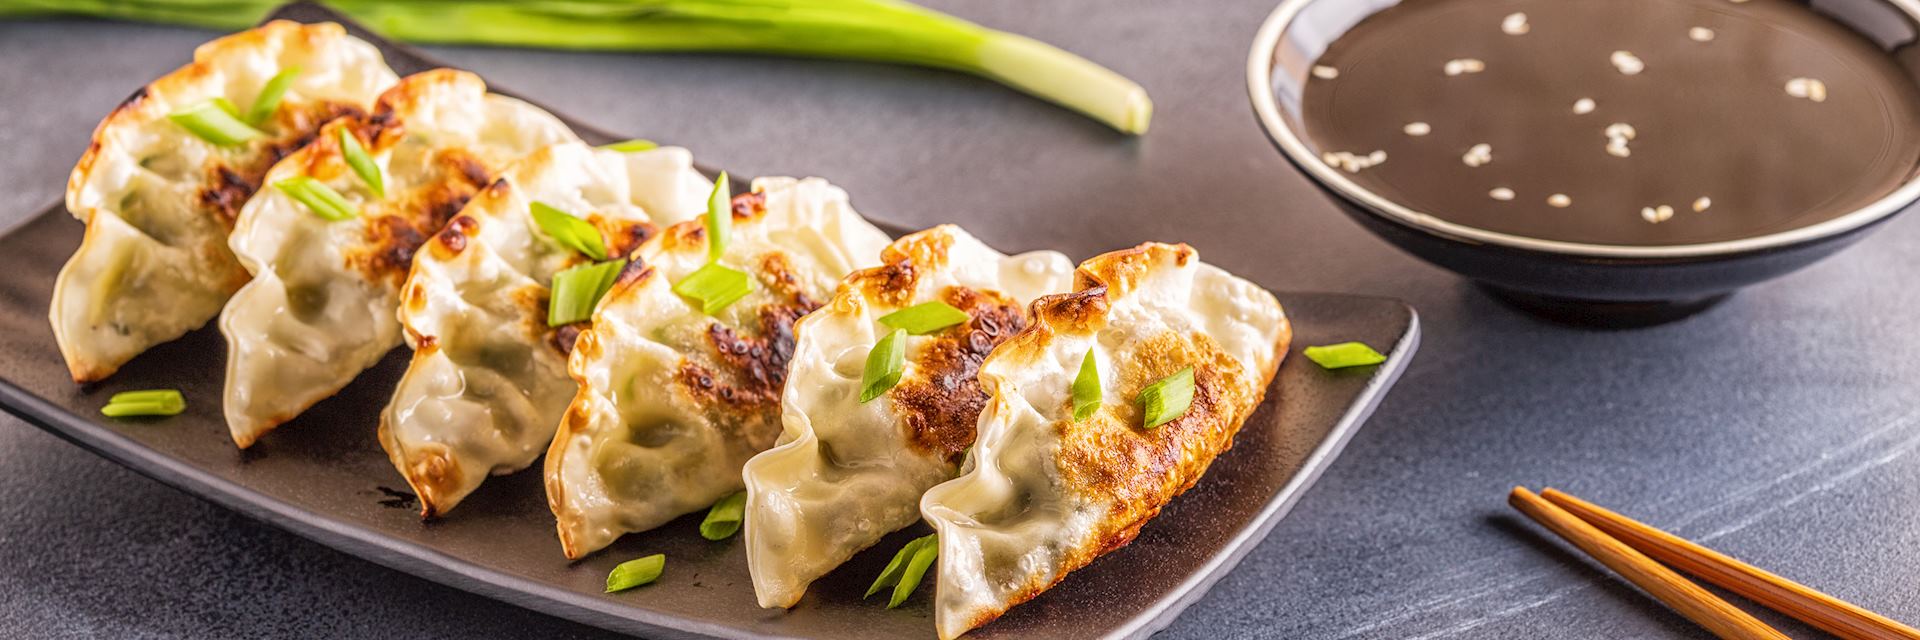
(270, 95)
(320, 198)
(362, 164)
(1167, 398)
(215, 122)
(631, 146)
(926, 317)
(1086, 388)
(885, 363)
(868, 30)
(719, 218)
(634, 573)
(723, 520)
(906, 569)
(714, 286)
(226, 105)
(154, 402)
(568, 231)
(1343, 355)
(577, 290)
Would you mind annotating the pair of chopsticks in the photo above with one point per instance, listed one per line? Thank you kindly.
(1631, 549)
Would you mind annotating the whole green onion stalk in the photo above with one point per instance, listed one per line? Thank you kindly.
(890, 31)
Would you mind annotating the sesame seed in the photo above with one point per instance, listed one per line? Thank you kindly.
(1618, 134)
(1325, 72)
(1808, 88)
(1351, 162)
(1479, 155)
(1583, 106)
(1515, 24)
(1559, 201)
(1463, 65)
(1702, 204)
(1656, 215)
(1700, 34)
(1502, 194)
(1417, 129)
(1627, 63)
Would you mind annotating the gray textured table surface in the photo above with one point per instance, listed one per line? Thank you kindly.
(1778, 427)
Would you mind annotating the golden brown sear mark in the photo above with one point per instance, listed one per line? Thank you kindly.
(561, 338)
(453, 238)
(943, 401)
(623, 236)
(1111, 455)
(749, 205)
(756, 364)
(391, 240)
(228, 187)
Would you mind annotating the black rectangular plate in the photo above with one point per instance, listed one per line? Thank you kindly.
(325, 477)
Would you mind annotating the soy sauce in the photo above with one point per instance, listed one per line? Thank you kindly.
(1739, 119)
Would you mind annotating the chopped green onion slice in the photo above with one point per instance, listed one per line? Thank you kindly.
(269, 99)
(362, 164)
(899, 574)
(1086, 388)
(226, 105)
(885, 363)
(634, 573)
(1167, 398)
(577, 290)
(719, 218)
(215, 122)
(322, 199)
(1343, 355)
(145, 396)
(570, 232)
(630, 146)
(155, 402)
(715, 286)
(723, 520)
(916, 569)
(924, 318)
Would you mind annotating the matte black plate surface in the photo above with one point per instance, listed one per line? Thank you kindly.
(325, 477)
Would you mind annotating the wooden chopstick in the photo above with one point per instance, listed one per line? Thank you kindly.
(1828, 613)
(1681, 594)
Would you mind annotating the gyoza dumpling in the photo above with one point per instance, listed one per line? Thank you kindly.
(321, 306)
(847, 473)
(673, 400)
(159, 200)
(488, 381)
(1044, 494)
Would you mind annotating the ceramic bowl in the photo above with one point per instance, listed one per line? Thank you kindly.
(1595, 284)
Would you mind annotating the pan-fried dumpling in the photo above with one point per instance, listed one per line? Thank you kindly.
(488, 380)
(158, 200)
(1043, 494)
(321, 306)
(847, 473)
(673, 400)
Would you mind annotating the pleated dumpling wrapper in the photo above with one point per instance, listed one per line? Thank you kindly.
(488, 380)
(330, 239)
(673, 399)
(846, 473)
(159, 191)
(1044, 494)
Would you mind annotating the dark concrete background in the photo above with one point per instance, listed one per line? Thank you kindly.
(1777, 427)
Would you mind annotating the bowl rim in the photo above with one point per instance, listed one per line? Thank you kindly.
(1259, 88)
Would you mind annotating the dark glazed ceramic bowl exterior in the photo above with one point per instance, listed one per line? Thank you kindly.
(1592, 284)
